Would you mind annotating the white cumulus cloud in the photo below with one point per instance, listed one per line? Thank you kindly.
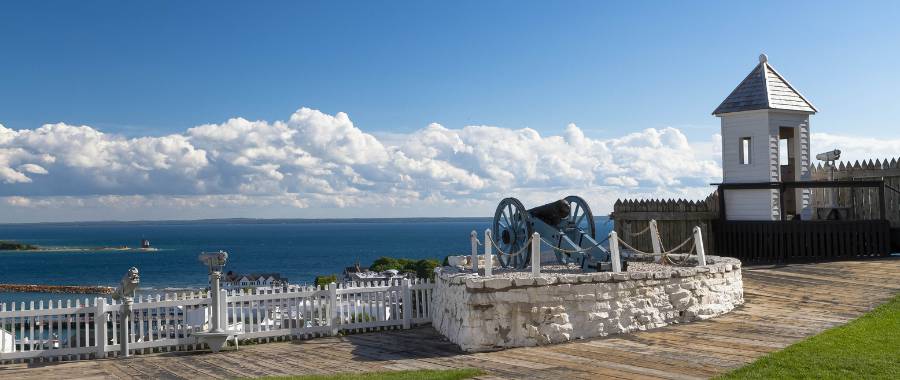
(319, 161)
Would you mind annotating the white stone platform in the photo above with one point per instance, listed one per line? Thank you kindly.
(513, 309)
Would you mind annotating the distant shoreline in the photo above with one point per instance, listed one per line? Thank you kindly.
(255, 221)
(68, 289)
(80, 249)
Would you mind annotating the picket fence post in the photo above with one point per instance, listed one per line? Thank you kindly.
(124, 322)
(407, 305)
(100, 327)
(332, 307)
(223, 309)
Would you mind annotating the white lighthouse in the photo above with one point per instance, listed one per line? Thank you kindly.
(765, 139)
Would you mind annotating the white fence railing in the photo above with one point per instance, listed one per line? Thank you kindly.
(81, 330)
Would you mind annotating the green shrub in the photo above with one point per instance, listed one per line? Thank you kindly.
(425, 268)
(422, 268)
(362, 317)
(325, 280)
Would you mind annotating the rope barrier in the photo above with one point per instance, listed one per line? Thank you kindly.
(500, 251)
(654, 254)
(678, 247)
(683, 260)
(633, 248)
(569, 252)
(640, 233)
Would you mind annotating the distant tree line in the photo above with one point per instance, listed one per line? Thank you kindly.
(16, 246)
(423, 268)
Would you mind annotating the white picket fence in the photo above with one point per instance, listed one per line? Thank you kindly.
(82, 330)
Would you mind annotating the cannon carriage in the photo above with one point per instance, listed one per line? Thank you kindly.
(567, 226)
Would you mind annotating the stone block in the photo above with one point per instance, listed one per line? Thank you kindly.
(585, 278)
(524, 281)
(473, 283)
(568, 279)
(672, 288)
(622, 276)
(680, 300)
(601, 276)
(687, 272)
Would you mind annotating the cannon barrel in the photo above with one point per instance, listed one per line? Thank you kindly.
(552, 213)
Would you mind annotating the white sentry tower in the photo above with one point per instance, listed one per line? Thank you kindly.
(765, 138)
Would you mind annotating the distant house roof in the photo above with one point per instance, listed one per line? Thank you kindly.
(232, 277)
(356, 269)
(764, 88)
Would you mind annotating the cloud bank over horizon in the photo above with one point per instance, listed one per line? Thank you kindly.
(319, 165)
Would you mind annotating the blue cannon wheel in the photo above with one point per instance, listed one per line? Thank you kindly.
(580, 219)
(511, 230)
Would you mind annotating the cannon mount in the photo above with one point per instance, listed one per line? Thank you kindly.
(566, 225)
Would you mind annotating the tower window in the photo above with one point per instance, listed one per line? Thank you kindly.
(745, 151)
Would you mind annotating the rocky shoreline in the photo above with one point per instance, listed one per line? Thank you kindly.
(70, 289)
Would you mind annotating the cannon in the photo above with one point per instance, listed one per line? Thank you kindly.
(567, 225)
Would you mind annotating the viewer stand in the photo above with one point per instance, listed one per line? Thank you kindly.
(217, 336)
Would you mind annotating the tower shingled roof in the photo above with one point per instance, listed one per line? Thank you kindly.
(764, 88)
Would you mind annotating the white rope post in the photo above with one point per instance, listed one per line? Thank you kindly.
(698, 245)
(654, 237)
(488, 255)
(474, 238)
(535, 254)
(614, 252)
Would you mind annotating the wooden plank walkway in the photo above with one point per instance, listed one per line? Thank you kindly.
(783, 305)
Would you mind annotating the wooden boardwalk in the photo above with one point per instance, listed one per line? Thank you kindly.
(783, 305)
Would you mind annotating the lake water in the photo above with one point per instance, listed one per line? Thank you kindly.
(297, 249)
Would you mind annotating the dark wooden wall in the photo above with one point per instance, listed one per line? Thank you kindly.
(792, 242)
(675, 218)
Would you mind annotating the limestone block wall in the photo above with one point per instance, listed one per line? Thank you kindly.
(515, 310)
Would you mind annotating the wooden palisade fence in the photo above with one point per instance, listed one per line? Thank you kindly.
(862, 202)
(675, 219)
(90, 329)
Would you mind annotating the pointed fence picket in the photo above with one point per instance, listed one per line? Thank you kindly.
(91, 328)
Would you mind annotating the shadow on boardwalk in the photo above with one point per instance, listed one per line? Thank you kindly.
(784, 304)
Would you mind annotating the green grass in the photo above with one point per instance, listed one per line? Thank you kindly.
(450, 374)
(866, 348)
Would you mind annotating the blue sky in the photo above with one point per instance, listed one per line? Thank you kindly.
(155, 69)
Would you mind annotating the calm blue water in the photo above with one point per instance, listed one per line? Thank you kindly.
(299, 250)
